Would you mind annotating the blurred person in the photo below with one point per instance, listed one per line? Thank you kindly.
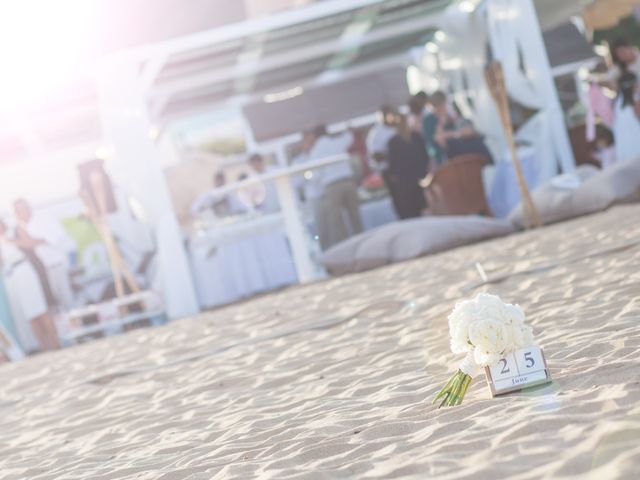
(417, 107)
(212, 201)
(32, 317)
(626, 124)
(47, 246)
(250, 197)
(339, 187)
(448, 134)
(408, 164)
(605, 150)
(310, 183)
(626, 58)
(378, 144)
(220, 204)
(378, 138)
(359, 155)
(270, 202)
(7, 322)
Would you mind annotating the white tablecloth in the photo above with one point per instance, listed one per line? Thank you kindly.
(504, 194)
(231, 261)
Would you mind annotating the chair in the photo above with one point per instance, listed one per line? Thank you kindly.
(456, 187)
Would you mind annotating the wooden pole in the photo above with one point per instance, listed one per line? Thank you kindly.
(119, 268)
(496, 83)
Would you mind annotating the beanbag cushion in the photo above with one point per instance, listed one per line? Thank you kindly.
(407, 239)
(598, 190)
(555, 201)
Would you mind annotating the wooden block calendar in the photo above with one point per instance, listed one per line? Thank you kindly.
(523, 368)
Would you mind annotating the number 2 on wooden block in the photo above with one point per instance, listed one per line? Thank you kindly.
(505, 368)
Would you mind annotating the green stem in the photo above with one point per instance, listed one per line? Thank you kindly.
(463, 391)
(453, 392)
(456, 393)
(445, 389)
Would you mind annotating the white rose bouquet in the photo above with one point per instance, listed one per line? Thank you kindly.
(486, 329)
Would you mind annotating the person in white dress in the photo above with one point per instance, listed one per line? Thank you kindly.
(626, 124)
(33, 321)
(46, 238)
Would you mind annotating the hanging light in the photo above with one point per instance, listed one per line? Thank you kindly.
(284, 95)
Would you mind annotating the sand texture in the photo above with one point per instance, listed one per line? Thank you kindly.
(335, 379)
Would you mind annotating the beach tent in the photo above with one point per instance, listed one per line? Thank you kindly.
(142, 90)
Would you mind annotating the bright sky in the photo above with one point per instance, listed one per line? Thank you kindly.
(43, 43)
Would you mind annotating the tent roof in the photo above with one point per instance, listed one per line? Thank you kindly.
(327, 104)
(311, 47)
(566, 47)
(273, 54)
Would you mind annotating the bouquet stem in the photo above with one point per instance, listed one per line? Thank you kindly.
(454, 391)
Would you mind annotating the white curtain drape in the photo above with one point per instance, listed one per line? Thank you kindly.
(509, 30)
(509, 27)
(504, 24)
(463, 56)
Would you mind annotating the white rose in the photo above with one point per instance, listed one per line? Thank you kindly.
(463, 314)
(488, 327)
(490, 338)
(515, 314)
(485, 359)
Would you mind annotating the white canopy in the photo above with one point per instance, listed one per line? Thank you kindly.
(320, 44)
(147, 87)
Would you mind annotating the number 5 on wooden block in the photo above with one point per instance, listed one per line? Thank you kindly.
(523, 368)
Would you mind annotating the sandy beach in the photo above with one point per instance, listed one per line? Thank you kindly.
(335, 379)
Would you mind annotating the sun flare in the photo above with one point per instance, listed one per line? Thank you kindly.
(42, 44)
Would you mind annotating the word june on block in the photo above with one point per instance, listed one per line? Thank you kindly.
(523, 368)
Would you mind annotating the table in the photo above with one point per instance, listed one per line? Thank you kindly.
(505, 193)
(237, 260)
(294, 226)
(241, 257)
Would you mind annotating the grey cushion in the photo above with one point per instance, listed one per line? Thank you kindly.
(555, 203)
(409, 239)
(620, 183)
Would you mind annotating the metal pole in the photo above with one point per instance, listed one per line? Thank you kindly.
(296, 232)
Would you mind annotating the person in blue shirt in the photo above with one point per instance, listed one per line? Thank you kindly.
(448, 134)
